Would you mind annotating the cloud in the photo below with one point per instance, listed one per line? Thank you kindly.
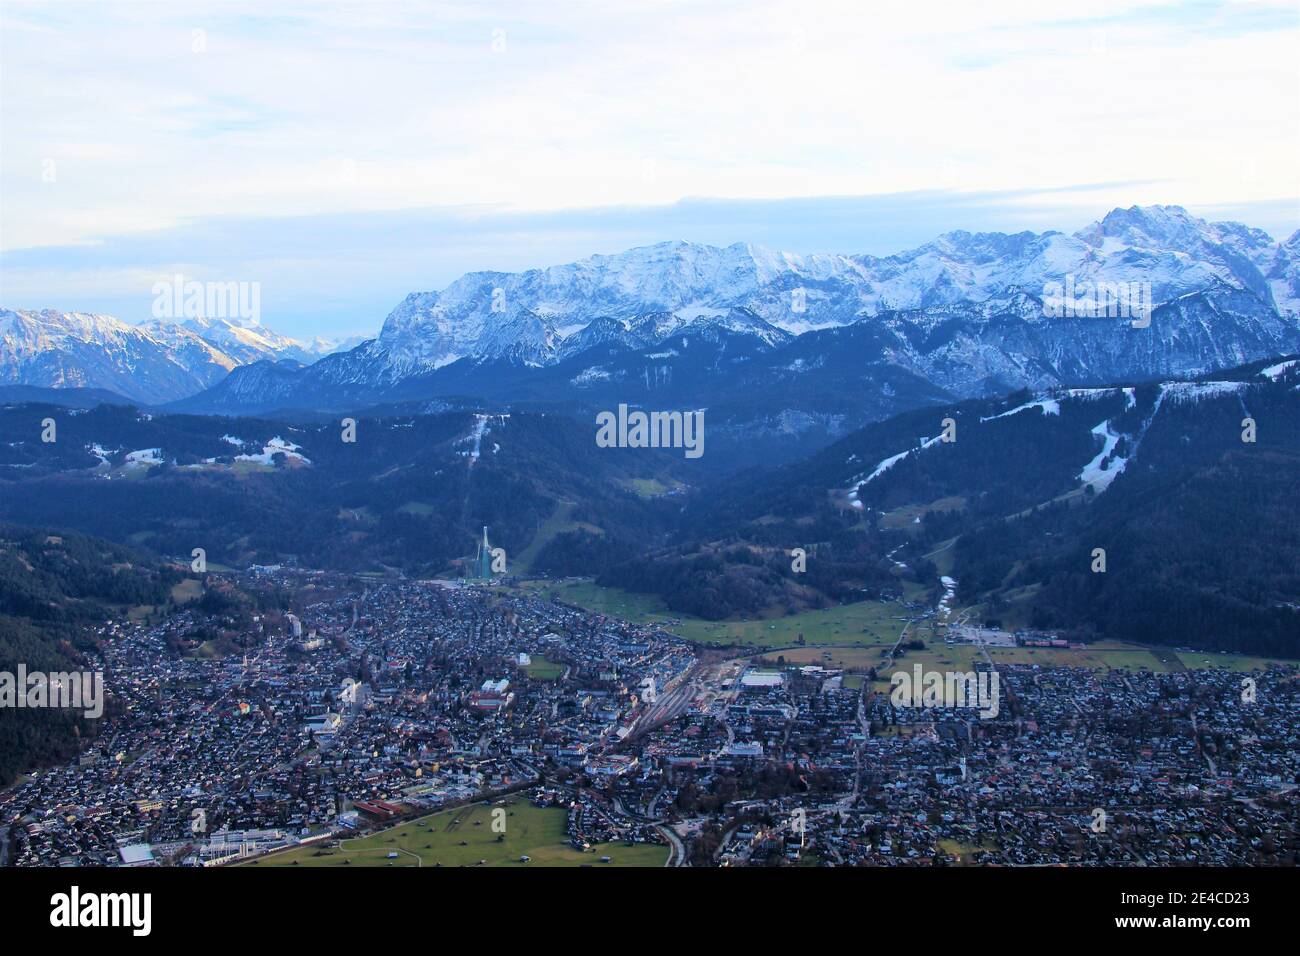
(169, 122)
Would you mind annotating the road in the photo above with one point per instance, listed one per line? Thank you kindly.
(678, 855)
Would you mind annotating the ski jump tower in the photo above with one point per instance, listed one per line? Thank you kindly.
(484, 558)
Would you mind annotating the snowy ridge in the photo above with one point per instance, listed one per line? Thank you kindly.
(1275, 372)
(1115, 445)
(884, 466)
(964, 312)
(1199, 391)
(686, 283)
(154, 362)
(1050, 406)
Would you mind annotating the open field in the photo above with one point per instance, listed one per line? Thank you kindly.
(906, 517)
(855, 634)
(1103, 655)
(542, 669)
(942, 556)
(845, 658)
(535, 832)
(869, 623)
(648, 487)
(1198, 660)
(965, 851)
(191, 589)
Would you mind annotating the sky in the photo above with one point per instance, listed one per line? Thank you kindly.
(343, 155)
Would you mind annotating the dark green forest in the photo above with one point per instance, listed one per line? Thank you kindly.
(1199, 527)
(53, 584)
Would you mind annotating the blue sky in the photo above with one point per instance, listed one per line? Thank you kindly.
(343, 155)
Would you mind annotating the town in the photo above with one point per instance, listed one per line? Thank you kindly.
(379, 704)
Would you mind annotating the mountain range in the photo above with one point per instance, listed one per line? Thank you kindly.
(947, 289)
(153, 362)
(964, 312)
(961, 316)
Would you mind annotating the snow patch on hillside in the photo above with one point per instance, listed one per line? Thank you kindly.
(277, 444)
(1093, 473)
(1050, 406)
(949, 593)
(1275, 371)
(100, 452)
(589, 375)
(144, 458)
(884, 466)
(482, 425)
(1199, 391)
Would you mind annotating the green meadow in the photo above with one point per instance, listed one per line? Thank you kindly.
(464, 837)
(865, 624)
(856, 636)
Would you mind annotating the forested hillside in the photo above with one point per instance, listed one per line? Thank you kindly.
(53, 584)
(411, 492)
(1200, 528)
(1187, 486)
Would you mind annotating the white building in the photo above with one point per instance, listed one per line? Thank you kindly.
(325, 724)
(136, 854)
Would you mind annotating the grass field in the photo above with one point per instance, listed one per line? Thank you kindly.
(845, 658)
(535, 832)
(648, 487)
(942, 556)
(1199, 660)
(191, 589)
(867, 624)
(964, 851)
(542, 669)
(183, 592)
(1101, 656)
(852, 636)
(904, 518)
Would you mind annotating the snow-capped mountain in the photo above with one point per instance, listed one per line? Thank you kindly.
(677, 282)
(79, 349)
(319, 346)
(153, 362)
(965, 312)
(620, 334)
(248, 341)
(543, 315)
(973, 349)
